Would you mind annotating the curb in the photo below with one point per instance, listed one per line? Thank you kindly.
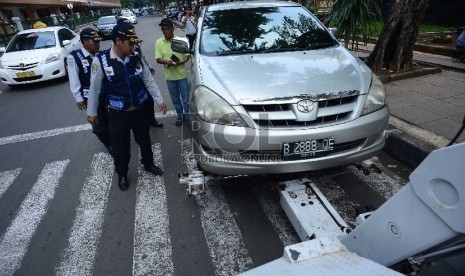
(405, 147)
(410, 143)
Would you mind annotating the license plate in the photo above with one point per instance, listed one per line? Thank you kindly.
(25, 74)
(306, 149)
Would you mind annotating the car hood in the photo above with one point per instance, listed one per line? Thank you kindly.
(26, 57)
(240, 78)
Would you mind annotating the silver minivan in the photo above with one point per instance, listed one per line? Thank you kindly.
(274, 92)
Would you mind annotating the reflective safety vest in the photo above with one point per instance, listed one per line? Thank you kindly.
(122, 84)
(83, 63)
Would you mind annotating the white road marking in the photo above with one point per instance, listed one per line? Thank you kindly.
(42, 134)
(59, 131)
(152, 242)
(338, 198)
(169, 113)
(6, 179)
(380, 182)
(15, 241)
(79, 256)
(275, 214)
(224, 239)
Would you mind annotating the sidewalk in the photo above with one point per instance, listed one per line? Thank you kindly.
(426, 111)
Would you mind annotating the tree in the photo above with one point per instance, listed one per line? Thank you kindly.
(127, 3)
(394, 48)
(354, 18)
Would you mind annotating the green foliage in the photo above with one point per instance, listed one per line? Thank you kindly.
(354, 18)
(127, 3)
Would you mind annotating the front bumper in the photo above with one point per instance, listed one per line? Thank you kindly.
(43, 72)
(235, 150)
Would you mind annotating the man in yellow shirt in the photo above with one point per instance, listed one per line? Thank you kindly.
(175, 71)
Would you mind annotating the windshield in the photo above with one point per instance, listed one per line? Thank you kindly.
(265, 29)
(31, 41)
(127, 14)
(106, 20)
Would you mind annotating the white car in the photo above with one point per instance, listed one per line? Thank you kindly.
(36, 55)
(129, 16)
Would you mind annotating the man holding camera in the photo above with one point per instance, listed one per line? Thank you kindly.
(189, 22)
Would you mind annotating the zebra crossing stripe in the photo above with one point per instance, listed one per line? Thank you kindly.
(169, 113)
(224, 239)
(79, 256)
(338, 199)
(15, 241)
(42, 134)
(380, 182)
(6, 178)
(276, 216)
(152, 242)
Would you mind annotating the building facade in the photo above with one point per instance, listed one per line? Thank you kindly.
(30, 9)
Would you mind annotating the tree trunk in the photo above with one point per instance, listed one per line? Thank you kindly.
(394, 49)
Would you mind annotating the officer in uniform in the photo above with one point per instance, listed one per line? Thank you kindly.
(126, 84)
(79, 62)
(138, 51)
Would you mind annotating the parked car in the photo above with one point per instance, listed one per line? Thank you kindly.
(274, 92)
(105, 25)
(129, 16)
(139, 12)
(36, 55)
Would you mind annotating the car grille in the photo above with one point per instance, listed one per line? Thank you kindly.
(23, 67)
(336, 107)
(28, 78)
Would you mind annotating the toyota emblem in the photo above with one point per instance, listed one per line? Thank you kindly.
(21, 65)
(305, 106)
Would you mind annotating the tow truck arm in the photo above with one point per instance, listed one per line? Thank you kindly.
(423, 221)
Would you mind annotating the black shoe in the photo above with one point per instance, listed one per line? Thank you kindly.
(123, 183)
(178, 122)
(154, 170)
(156, 123)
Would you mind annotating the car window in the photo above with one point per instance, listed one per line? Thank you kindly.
(64, 34)
(127, 14)
(106, 20)
(263, 29)
(32, 41)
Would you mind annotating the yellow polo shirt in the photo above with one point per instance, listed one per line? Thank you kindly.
(163, 51)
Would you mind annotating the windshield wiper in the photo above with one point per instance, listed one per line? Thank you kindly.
(320, 45)
(283, 49)
(239, 52)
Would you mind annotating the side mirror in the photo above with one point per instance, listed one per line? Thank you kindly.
(95, 24)
(66, 42)
(2, 49)
(180, 45)
(334, 32)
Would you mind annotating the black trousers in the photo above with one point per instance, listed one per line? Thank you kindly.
(101, 129)
(120, 124)
(151, 108)
(191, 39)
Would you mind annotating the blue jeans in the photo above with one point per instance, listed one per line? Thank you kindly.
(179, 93)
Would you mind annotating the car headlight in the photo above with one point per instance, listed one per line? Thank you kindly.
(52, 58)
(214, 109)
(376, 97)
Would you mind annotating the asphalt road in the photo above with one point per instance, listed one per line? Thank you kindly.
(62, 212)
